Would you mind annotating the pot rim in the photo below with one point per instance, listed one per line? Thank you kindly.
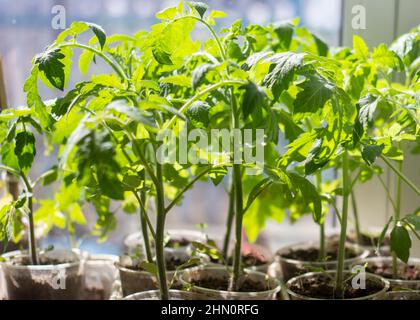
(415, 261)
(275, 289)
(157, 293)
(128, 270)
(364, 253)
(7, 256)
(384, 281)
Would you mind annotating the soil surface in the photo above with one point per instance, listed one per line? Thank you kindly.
(172, 263)
(312, 254)
(24, 260)
(250, 260)
(322, 287)
(369, 240)
(405, 272)
(247, 285)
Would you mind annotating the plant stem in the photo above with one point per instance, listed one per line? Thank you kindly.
(229, 222)
(401, 175)
(237, 175)
(210, 28)
(160, 234)
(143, 222)
(31, 238)
(339, 292)
(237, 185)
(113, 64)
(188, 186)
(198, 95)
(356, 217)
(397, 215)
(318, 178)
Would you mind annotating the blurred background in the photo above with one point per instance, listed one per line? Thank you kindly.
(25, 30)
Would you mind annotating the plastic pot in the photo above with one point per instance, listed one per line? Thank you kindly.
(99, 276)
(133, 281)
(396, 284)
(188, 277)
(173, 295)
(379, 295)
(291, 267)
(403, 295)
(62, 281)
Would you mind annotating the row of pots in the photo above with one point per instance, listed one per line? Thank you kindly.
(95, 276)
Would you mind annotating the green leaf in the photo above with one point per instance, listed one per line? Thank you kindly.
(321, 46)
(371, 152)
(315, 92)
(254, 97)
(84, 61)
(161, 56)
(414, 219)
(383, 234)
(96, 155)
(50, 176)
(34, 100)
(149, 267)
(99, 33)
(401, 242)
(50, 63)
(133, 113)
(25, 149)
(282, 71)
(167, 13)
(8, 156)
(200, 7)
(198, 114)
(132, 181)
(309, 195)
(361, 50)
(199, 74)
(284, 31)
(368, 105)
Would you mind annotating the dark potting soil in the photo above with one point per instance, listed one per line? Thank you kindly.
(322, 287)
(369, 240)
(247, 285)
(312, 254)
(250, 260)
(405, 272)
(24, 260)
(172, 263)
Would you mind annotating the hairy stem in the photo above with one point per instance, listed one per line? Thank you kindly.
(401, 175)
(117, 68)
(356, 217)
(318, 178)
(397, 215)
(229, 221)
(31, 238)
(197, 96)
(160, 234)
(339, 287)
